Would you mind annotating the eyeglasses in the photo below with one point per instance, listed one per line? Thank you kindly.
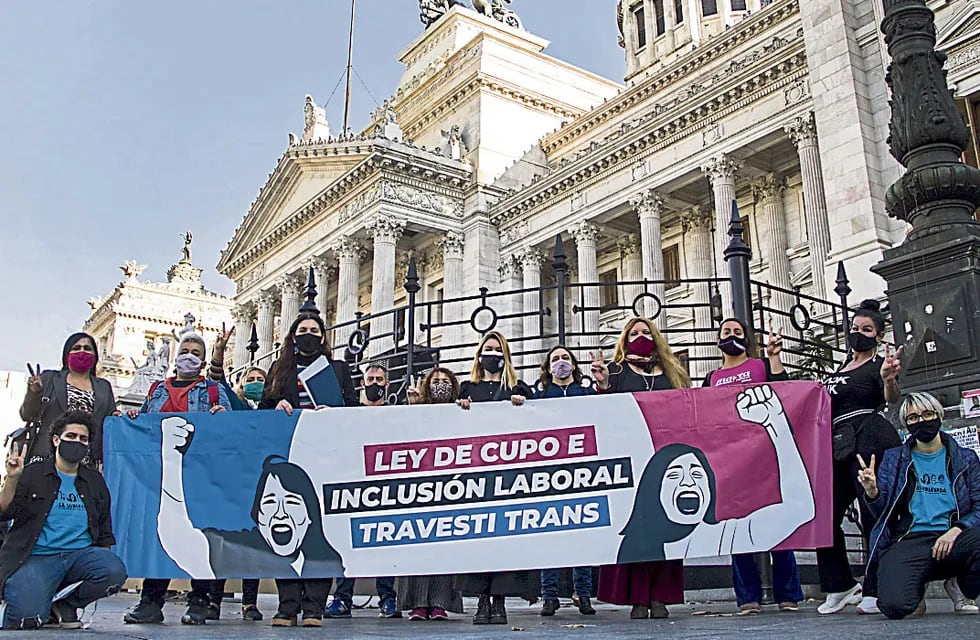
(915, 418)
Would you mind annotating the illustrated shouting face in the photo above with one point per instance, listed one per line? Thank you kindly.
(685, 493)
(283, 517)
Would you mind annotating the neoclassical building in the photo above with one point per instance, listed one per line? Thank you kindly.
(489, 148)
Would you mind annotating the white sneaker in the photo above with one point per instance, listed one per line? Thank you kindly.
(837, 601)
(961, 604)
(868, 606)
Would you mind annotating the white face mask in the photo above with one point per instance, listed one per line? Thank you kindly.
(685, 494)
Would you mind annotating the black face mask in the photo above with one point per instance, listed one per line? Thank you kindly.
(860, 342)
(492, 364)
(374, 392)
(309, 344)
(925, 430)
(72, 451)
(732, 346)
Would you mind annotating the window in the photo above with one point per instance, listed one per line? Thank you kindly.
(672, 266)
(639, 17)
(970, 109)
(738, 5)
(658, 7)
(678, 11)
(608, 291)
(436, 295)
(709, 7)
(685, 359)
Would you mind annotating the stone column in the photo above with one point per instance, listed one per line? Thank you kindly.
(530, 260)
(769, 192)
(650, 207)
(242, 313)
(803, 132)
(290, 288)
(585, 235)
(323, 271)
(349, 253)
(452, 285)
(632, 260)
(697, 242)
(386, 231)
(266, 303)
(721, 171)
(511, 280)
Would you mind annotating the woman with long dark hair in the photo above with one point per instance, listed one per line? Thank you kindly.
(304, 344)
(73, 387)
(431, 597)
(493, 378)
(740, 365)
(858, 391)
(642, 361)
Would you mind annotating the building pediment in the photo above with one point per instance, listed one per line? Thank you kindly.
(962, 28)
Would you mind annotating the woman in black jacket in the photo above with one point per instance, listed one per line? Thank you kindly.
(74, 387)
(303, 345)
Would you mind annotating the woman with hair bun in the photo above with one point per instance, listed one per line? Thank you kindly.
(858, 390)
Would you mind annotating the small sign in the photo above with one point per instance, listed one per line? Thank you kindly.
(966, 437)
(971, 403)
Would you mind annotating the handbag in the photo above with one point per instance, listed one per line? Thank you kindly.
(845, 433)
(27, 435)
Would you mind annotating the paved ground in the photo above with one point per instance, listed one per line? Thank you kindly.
(696, 620)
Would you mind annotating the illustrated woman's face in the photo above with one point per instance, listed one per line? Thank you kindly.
(283, 518)
(685, 494)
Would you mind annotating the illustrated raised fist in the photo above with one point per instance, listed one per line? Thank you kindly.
(759, 404)
(177, 434)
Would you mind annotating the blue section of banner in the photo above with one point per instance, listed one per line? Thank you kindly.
(221, 466)
(488, 522)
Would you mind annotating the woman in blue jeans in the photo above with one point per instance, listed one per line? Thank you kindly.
(561, 378)
(739, 366)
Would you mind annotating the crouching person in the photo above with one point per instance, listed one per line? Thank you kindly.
(927, 500)
(60, 533)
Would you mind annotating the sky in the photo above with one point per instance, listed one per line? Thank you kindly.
(123, 123)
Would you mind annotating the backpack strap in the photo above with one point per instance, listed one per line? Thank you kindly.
(153, 387)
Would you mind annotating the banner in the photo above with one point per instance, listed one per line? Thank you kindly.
(383, 491)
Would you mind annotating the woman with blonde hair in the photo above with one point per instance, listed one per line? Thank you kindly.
(642, 361)
(493, 378)
(250, 386)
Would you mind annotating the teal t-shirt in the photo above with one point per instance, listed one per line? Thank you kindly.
(933, 500)
(66, 528)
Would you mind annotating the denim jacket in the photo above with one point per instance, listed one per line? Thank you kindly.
(896, 484)
(198, 398)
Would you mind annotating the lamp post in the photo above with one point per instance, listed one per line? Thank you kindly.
(934, 276)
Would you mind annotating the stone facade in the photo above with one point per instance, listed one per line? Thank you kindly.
(488, 149)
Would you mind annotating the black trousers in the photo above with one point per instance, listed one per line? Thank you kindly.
(250, 591)
(308, 597)
(832, 562)
(155, 590)
(908, 565)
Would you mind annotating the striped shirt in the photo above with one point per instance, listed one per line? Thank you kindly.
(305, 401)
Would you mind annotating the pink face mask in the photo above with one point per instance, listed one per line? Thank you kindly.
(642, 346)
(81, 361)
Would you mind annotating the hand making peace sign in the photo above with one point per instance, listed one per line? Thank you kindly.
(34, 381)
(775, 345)
(600, 371)
(866, 476)
(892, 366)
(412, 391)
(15, 462)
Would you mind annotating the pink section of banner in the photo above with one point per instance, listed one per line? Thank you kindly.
(741, 454)
(482, 451)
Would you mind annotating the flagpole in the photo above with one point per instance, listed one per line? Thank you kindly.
(350, 66)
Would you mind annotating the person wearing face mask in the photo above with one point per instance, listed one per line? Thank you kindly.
(739, 366)
(431, 597)
(493, 378)
(186, 392)
(74, 387)
(858, 392)
(303, 345)
(561, 378)
(250, 386)
(926, 497)
(642, 361)
(60, 533)
(375, 394)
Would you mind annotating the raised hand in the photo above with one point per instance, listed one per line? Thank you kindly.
(759, 404)
(34, 381)
(412, 391)
(867, 478)
(892, 366)
(15, 461)
(177, 433)
(775, 344)
(221, 342)
(600, 371)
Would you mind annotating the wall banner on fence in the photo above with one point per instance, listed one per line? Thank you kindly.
(376, 491)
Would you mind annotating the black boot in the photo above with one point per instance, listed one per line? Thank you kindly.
(482, 611)
(585, 606)
(197, 610)
(498, 614)
(550, 607)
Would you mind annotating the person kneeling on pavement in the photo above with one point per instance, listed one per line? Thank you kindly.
(926, 497)
(61, 532)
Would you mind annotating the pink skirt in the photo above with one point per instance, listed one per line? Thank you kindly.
(640, 583)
